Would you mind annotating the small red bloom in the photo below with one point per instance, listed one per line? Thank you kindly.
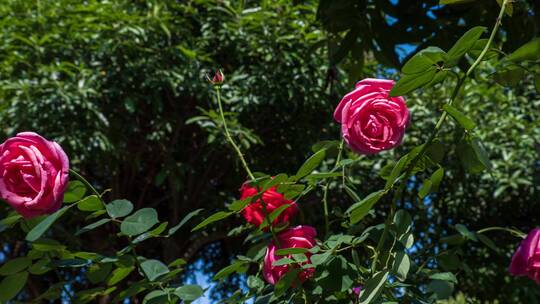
(217, 79)
(254, 212)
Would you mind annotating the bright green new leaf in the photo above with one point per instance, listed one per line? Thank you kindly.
(153, 269)
(11, 285)
(461, 118)
(213, 218)
(139, 222)
(42, 227)
(119, 208)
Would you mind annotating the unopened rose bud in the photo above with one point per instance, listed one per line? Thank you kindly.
(217, 79)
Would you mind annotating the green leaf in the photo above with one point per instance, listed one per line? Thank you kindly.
(509, 76)
(119, 208)
(239, 205)
(90, 203)
(44, 225)
(213, 218)
(537, 83)
(286, 282)
(465, 43)
(92, 226)
(153, 269)
(466, 232)
(436, 179)
(74, 192)
(287, 251)
(444, 276)
(441, 289)
(98, 272)
(152, 233)
(139, 222)
(402, 222)
(237, 266)
(119, 274)
(473, 156)
(15, 265)
(311, 163)
(12, 285)
(487, 241)
(528, 51)
(396, 171)
(411, 82)
(424, 60)
(189, 292)
(463, 120)
(274, 215)
(372, 288)
(156, 297)
(186, 218)
(425, 189)
(40, 267)
(361, 209)
(509, 10)
(402, 264)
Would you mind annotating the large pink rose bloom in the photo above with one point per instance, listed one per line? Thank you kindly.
(370, 120)
(526, 259)
(297, 237)
(33, 174)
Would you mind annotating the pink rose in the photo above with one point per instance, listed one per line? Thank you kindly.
(34, 174)
(297, 237)
(254, 212)
(370, 120)
(526, 259)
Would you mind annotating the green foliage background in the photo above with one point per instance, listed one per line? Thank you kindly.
(120, 85)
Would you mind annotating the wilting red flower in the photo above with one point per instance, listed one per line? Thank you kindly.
(254, 213)
(33, 174)
(297, 237)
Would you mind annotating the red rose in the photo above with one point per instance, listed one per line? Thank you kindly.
(254, 212)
